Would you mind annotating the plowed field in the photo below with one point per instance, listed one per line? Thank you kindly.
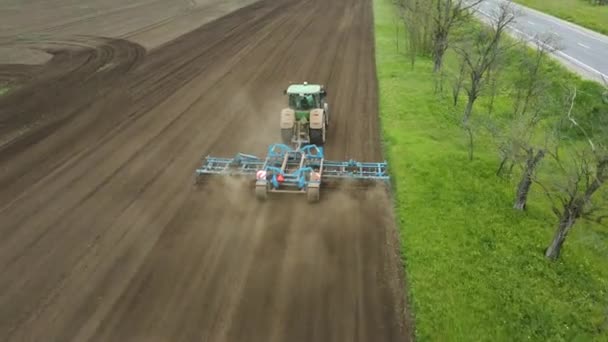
(103, 234)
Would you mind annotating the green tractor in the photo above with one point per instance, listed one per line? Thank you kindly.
(306, 119)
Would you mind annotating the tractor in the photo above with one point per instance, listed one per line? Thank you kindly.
(297, 165)
(306, 119)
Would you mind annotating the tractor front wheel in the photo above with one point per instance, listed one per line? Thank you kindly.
(287, 135)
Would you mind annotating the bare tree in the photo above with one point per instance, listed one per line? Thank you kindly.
(519, 139)
(480, 53)
(494, 85)
(430, 23)
(530, 99)
(531, 82)
(575, 199)
(572, 195)
(519, 144)
(457, 86)
(417, 20)
(533, 159)
(448, 14)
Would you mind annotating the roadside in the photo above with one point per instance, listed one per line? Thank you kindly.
(475, 267)
(581, 50)
(593, 17)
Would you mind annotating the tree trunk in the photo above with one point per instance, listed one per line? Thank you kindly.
(441, 46)
(458, 85)
(439, 83)
(439, 53)
(565, 224)
(526, 179)
(438, 62)
(573, 209)
(503, 162)
(468, 110)
(467, 125)
(471, 145)
(397, 37)
(494, 90)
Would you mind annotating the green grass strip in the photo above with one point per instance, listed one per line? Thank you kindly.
(475, 267)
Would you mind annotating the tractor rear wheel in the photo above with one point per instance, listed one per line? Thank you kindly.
(317, 136)
(287, 135)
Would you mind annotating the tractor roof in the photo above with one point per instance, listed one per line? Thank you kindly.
(303, 89)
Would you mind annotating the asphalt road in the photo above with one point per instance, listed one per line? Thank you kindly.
(582, 50)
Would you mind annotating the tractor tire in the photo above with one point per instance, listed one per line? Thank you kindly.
(317, 136)
(286, 135)
(312, 194)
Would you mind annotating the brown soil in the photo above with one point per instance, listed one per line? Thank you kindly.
(106, 238)
(146, 22)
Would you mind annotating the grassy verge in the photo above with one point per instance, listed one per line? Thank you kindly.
(580, 12)
(475, 267)
(3, 90)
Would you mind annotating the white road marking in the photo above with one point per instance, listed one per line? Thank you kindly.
(531, 23)
(572, 59)
(566, 24)
(583, 45)
(562, 23)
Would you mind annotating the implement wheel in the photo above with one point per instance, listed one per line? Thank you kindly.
(312, 194)
(261, 192)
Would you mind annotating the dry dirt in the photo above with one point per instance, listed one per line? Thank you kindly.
(103, 235)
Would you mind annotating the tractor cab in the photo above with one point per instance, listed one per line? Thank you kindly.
(305, 97)
(300, 102)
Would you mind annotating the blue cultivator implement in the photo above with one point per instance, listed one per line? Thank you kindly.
(303, 170)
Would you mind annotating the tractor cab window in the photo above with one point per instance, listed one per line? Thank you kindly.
(303, 101)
